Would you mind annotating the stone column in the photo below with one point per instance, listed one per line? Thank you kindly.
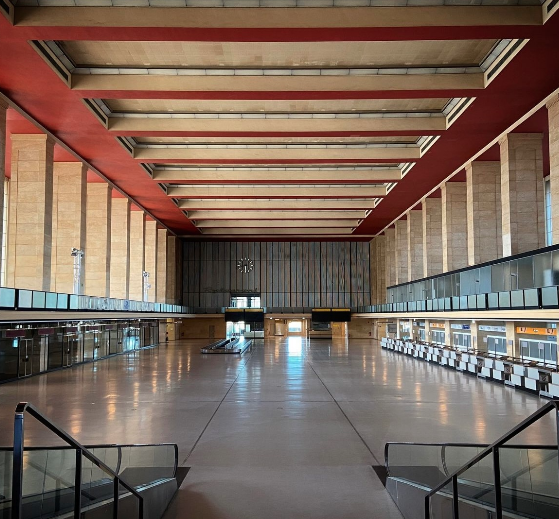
(3, 110)
(432, 217)
(454, 226)
(522, 193)
(150, 257)
(474, 338)
(401, 251)
(390, 262)
(161, 290)
(137, 245)
(172, 254)
(379, 279)
(68, 223)
(483, 180)
(120, 247)
(415, 245)
(512, 344)
(553, 116)
(98, 240)
(30, 219)
(447, 333)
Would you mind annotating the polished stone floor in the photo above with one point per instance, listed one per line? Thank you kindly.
(291, 429)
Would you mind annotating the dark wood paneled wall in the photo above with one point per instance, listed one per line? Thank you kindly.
(286, 274)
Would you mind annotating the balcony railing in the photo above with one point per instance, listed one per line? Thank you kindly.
(20, 299)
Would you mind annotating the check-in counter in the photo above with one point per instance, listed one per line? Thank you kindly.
(553, 387)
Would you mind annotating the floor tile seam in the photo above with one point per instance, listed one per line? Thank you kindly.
(216, 410)
(347, 417)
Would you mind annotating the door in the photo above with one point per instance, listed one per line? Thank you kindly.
(26, 358)
(70, 350)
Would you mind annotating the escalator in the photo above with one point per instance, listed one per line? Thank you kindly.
(87, 482)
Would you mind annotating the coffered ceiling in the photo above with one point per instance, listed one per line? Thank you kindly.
(288, 118)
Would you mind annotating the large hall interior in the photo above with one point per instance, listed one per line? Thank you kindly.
(279, 258)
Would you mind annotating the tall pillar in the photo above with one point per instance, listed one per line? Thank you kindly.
(401, 251)
(68, 223)
(522, 193)
(474, 338)
(161, 291)
(150, 257)
(30, 220)
(390, 262)
(513, 348)
(98, 240)
(137, 257)
(454, 226)
(172, 280)
(483, 180)
(120, 247)
(432, 216)
(3, 110)
(379, 281)
(415, 245)
(553, 116)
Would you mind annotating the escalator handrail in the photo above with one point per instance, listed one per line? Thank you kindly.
(444, 445)
(81, 450)
(120, 446)
(494, 450)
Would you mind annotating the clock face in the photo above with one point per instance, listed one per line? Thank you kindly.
(245, 265)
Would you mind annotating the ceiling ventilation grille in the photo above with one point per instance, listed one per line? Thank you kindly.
(505, 57)
(126, 145)
(92, 105)
(52, 60)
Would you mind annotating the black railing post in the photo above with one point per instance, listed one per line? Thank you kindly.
(17, 473)
(141, 508)
(497, 482)
(455, 502)
(427, 507)
(78, 485)
(115, 498)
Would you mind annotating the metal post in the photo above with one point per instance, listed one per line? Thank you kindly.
(141, 508)
(17, 474)
(427, 507)
(78, 485)
(497, 482)
(115, 498)
(455, 511)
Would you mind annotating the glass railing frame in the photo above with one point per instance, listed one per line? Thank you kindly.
(493, 450)
(81, 452)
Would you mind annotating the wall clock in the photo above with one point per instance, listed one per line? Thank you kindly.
(245, 265)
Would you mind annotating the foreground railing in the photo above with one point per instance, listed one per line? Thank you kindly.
(492, 450)
(81, 452)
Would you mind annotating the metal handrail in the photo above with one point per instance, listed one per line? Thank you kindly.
(17, 475)
(492, 449)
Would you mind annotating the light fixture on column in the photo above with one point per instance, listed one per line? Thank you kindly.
(77, 254)
(147, 285)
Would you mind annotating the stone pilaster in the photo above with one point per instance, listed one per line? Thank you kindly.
(30, 218)
(172, 279)
(522, 193)
(401, 251)
(150, 257)
(483, 180)
(454, 226)
(120, 247)
(98, 240)
(379, 294)
(553, 116)
(3, 111)
(415, 245)
(432, 216)
(161, 291)
(390, 262)
(137, 255)
(68, 223)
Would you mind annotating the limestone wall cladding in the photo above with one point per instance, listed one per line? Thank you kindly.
(172, 281)
(390, 262)
(401, 251)
(553, 117)
(68, 223)
(415, 245)
(522, 193)
(3, 110)
(432, 222)
(137, 258)
(150, 257)
(454, 226)
(98, 240)
(161, 289)
(30, 214)
(120, 248)
(483, 181)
